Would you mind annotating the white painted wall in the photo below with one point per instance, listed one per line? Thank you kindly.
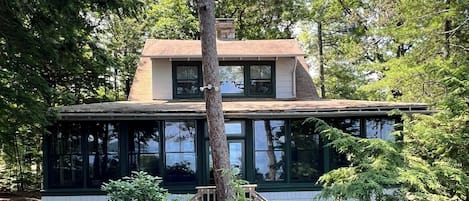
(162, 79)
(163, 85)
(283, 77)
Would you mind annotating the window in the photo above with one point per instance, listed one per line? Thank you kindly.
(260, 80)
(234, 131)
(380, 128)
(270, 143)
(144, 147)
(187, 80)
(232, 80)
(237, 79)
(306, 153)
(347, 125)
(180, 151)
(103, 154)
(66, 160)
(275, 153)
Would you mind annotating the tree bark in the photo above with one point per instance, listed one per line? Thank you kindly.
(321, 61)
(213, 100)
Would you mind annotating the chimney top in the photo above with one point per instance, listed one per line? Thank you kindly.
(225, 28)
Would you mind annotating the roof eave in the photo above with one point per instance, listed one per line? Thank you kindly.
(222, 56)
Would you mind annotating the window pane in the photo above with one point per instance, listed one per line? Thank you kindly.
(144, 147)
(261, 79)
(187, 80)
(261, 72)
(236, 151)
(381, 128)
(180, 136)
(306, 153)
(261, 87)
(103, 157)
(180, 167)
(232, 79)
(180, 151)
(187, 72)
(270, 166)
(269, 150)
(234, 128)
(66, 162)
(350, 126)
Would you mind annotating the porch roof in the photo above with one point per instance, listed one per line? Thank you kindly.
(235, 109)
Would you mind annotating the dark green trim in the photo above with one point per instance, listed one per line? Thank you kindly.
(249, 151)
(123, 148)
(247, 80)
(72, 192)
(201, 141)
(198, 64)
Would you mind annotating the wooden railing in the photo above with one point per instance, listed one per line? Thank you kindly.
(208, 193)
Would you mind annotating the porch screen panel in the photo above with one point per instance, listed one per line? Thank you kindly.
(270, 150)
(306, 153)
(103, 153)
(66, 161)
(144, 148)
(347, 125)
(180, 151)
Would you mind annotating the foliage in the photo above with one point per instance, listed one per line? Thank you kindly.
(429, 164)
(390, 50)
(375, 164)
(264, 19)
(48, 57)
(237, 183)
(140, 186)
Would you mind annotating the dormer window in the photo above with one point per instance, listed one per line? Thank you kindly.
(187, 79)
(237, 79)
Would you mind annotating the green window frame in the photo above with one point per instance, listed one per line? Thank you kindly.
(71, 140)
(144, 152)
(180, 151)
(187, 79)
(256, 81)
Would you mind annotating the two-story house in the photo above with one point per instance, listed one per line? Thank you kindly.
(162, 128)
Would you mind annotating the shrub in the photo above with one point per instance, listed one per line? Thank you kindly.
(140, 186)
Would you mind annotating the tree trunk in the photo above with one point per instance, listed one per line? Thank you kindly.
(321, 61)
(213, 99)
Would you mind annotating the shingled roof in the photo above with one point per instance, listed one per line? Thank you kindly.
(238, 109)
(249, 48)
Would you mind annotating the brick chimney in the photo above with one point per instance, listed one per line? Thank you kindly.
(225, 28)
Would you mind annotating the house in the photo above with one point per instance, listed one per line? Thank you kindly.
(162, 129)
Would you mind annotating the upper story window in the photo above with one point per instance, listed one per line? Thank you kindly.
(187, 79)
(237, 79)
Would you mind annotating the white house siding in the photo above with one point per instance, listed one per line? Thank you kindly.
(162, 79)
(75, 198)
(271, 196)
(283, 77)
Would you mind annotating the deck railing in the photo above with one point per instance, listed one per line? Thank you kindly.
(208, 193)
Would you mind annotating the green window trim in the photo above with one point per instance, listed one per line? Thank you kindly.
(251, 83)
